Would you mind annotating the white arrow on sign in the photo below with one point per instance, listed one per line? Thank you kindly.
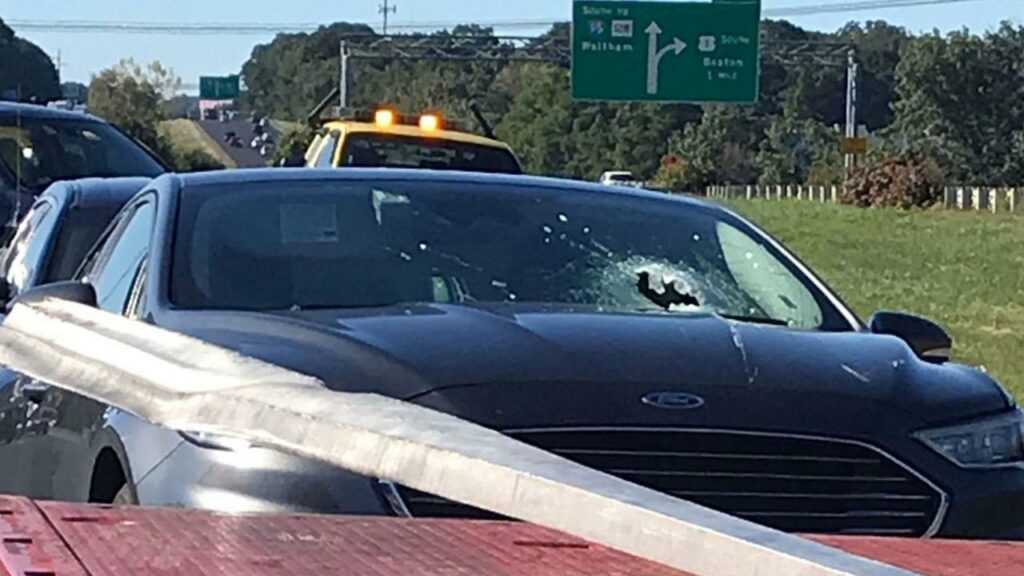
(654, 55)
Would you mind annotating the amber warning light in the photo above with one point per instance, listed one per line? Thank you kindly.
(430, 123)
(384, 118)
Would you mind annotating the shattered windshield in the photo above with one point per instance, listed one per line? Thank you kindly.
(306, 245)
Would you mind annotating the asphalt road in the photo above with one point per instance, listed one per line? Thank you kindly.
(245, 157)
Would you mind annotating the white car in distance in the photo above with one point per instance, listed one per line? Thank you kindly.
(619, 178)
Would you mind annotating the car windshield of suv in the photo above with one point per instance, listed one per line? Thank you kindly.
(372, 150)
(41, 151)
(280, 246)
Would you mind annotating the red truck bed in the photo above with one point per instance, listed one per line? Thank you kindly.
(59, 539)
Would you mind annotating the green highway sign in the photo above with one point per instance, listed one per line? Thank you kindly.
(666, 51)
(218, 87)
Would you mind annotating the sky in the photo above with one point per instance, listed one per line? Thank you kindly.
(83, 54)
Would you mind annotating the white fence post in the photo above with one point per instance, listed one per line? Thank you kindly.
(1013, 199)
(993, 200)
(975, 198)
(960, 198)
(778, 192)
(835, 194)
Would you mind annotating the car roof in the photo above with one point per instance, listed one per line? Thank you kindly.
(87, 193)
(10, 109)
(260, 175)
(414, 131)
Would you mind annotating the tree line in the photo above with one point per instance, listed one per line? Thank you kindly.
(941, 108)
(136, 98)
(947, 107)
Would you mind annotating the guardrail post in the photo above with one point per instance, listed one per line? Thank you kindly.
(750, 192)
(778, 192)
(960, 198)
(975, 198)
(835, 194)
(993, 200)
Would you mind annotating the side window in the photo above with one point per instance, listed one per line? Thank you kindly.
(136, 307)
(777, 291)
(326, 158)
(116, 273)
(21, 262)
(314, 146)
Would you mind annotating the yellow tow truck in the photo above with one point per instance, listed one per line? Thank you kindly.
(384, 138)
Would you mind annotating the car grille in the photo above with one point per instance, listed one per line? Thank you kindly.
(795, 484)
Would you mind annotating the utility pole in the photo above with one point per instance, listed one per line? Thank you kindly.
(386, 9)
(851, 104)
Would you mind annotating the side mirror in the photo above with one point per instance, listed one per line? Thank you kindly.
(79, 292)
(296, 161)
(926, 338)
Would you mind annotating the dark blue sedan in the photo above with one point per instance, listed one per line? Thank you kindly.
(663, 340)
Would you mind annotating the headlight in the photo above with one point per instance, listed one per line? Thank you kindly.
(993, 443)
(216, 441)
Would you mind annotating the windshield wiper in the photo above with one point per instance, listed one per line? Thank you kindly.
(753, 319)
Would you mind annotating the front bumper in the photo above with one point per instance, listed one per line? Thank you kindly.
(257, 480)
(985, 505)
(980, 504)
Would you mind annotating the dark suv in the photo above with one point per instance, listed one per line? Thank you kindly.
(40, 146)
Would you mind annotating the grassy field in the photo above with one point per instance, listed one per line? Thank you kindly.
(964, 270)
(185, 134)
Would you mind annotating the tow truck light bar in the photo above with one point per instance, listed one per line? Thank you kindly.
(384, 118)
(430, 122)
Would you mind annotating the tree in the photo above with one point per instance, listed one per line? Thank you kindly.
(962, 103)
(133, 100)
(291, 74)
(539, 122)
(718, 148)
(195, 160)
(794, 145)
(26, 72)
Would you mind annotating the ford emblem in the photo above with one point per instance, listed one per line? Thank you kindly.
(673, 400)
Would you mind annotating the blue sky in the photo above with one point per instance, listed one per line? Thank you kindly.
(85, 53)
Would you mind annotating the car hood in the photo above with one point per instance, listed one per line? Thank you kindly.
(425, 351)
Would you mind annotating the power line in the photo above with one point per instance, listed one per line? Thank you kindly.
(856, 6)
(260, 28)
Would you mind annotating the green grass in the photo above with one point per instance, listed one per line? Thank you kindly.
(964, 270)
(185, 134)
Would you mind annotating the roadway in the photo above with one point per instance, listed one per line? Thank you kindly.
(244, 157)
